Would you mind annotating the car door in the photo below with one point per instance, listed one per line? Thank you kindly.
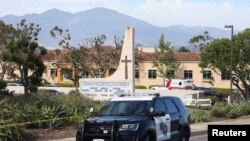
(175, 117)
(162, 121)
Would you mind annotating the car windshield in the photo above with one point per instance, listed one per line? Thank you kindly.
(125, 108)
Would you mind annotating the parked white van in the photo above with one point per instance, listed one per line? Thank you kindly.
(175, 84)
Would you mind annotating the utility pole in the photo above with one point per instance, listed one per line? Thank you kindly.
(231, 60)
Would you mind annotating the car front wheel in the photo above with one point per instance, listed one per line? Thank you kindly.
(148, 137)
(184, 136)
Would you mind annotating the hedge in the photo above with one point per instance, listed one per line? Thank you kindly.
(140, 87)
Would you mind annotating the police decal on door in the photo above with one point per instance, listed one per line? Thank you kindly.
(163, 127)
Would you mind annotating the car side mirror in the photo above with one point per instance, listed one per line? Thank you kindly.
(160, 114)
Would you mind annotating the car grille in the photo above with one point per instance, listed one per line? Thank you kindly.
(98, 128)
(108, 131)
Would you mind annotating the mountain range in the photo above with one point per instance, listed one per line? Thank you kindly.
(90, 23)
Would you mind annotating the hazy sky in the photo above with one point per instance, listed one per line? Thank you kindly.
(216, 13)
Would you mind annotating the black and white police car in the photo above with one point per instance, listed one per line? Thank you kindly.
(138, 118)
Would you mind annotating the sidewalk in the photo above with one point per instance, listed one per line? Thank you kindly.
(198, 128)
(201, 128)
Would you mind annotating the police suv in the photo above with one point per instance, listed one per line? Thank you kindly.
(138, 118)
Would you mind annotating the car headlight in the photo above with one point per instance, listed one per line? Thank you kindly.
(82, 124)
(129, 127)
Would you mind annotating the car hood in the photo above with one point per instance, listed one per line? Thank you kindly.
(108, 119)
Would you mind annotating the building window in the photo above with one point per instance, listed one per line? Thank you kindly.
(53, 73)
(61, 76)
(152, 74)
(188, 74)
(170, 74)
(85, 75)
(137, 73)
(67, 74)
(225, 76)
(207, 75)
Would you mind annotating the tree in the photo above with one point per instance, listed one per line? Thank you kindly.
(102, 58)
(74, 65)
(91, 57)
(183, 49)
(25, 52)
(164, 59)
(7, 33)
(63, 36)
(217, 57)
(201, 40)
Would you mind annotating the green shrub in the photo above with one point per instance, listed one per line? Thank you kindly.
(223, 90)
(41, 106)
(70, 108)
(220, 110)
(230, 110)
(65, 84)
(14, 133)
(78, 105)
(197, 115)
(234, 112)
(238, 110)
(52, 112)
(7, 114)
(25, 111)
(140, 87)
(3, 84)
(150, 86)
(74, 93)
(244, 109)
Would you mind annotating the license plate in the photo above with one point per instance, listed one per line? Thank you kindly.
(98, 139)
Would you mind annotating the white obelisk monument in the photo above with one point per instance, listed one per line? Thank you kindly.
(121, 81)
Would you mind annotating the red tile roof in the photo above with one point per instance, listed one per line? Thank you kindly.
(53, 55)
(187, 56)
(179, 56)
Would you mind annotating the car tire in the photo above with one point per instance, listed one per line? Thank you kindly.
(148, 137)
(184, 136)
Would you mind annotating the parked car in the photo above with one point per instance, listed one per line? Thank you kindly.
(52, 85)
(137, 118)
(49, 91)
(209, 91)
(14, 84)
(15, 87)
(6, 92)
(160, 87)
(213, 94)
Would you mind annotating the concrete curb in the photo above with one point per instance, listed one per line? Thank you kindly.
(65, 139)
(197, 133)
(196, 129)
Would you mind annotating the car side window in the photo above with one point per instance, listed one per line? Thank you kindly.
(159, 106)
(170, 106)
(181, 106)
